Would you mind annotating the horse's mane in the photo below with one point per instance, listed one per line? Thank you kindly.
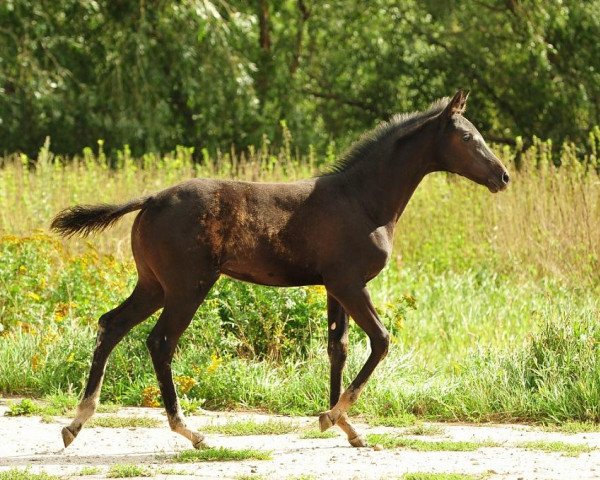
(400, 126)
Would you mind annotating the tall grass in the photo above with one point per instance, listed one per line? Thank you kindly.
(545, 224)
(491, 300)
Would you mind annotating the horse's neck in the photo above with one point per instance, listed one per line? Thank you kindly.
(384, 185)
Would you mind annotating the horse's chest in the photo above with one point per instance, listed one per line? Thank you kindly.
(377, 251)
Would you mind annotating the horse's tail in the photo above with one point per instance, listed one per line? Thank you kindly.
(85, 219)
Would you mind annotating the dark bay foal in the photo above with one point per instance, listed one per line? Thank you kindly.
(335, 230)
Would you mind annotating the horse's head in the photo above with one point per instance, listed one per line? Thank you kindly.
(461, 148)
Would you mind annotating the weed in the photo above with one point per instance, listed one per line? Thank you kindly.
(25, 407)
(567, 449)
(251, 427)
(127, 471)
(221, 454)
(124, 422)
(47, 418)
(423, 429)
(16, 474)
(89, 471)
(393, 421)
(571, 427)
(314, 433)
(394, 441)
(171, 471)
(441, 476)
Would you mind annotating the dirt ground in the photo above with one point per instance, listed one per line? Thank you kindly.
(27, 442)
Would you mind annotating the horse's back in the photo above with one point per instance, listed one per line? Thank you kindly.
(252, 231)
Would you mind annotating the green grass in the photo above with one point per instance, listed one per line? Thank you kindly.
(171, 471)
(571, 427)
(402, 420)
(422, 429)
(17, 474)
(566, 449)
(316, 434)
(221, 454)
(441, 476)
(47, 418)
(250, 476)
(393, 441)
(127, 471)
(89, 471)
(25, 407)
(123, 422)
(251, 427)
(50, 406)
(492, 309)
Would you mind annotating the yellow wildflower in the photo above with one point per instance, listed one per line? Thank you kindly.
(184, 383)
(35, 362)
(150, 396)
(215, 362)
(34, 296)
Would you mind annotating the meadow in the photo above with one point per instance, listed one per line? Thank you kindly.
(492, 300)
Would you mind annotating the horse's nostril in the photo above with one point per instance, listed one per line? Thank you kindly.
(505, 178)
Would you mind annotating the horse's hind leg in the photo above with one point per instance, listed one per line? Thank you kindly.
(145, 299)
(337, 349)
(180, 306)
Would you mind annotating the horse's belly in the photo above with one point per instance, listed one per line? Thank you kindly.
(270, 272)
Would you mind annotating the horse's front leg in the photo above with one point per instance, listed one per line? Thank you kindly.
(337, 349)
(356, 301)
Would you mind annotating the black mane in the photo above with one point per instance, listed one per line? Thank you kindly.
(400, 125)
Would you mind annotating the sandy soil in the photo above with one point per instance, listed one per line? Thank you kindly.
(27, 442)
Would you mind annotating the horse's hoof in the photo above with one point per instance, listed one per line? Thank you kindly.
(325, 421)
(358, 441)
(200, 445)
(68, 436)
(198, 442)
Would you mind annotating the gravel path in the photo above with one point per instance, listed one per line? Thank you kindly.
(27, 442)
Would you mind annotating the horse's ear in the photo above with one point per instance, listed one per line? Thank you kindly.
(458, 104)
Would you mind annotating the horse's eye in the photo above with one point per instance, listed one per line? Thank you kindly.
(467, 137)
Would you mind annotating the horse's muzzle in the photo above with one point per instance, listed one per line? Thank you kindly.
(497, 184)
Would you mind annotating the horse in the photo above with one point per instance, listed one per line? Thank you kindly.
(334, 230)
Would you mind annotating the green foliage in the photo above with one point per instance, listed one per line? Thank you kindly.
(124, 422)
(250, 427)
(491, 307)
(425, 430)
(403, 420)
(441, 476)
(567, 449)
(16, 474)
(314, 433)
(221, 454)
(216, 74)
(128, 471)
(89, 471)
(571, 427)
(24, 407)
(392, 441)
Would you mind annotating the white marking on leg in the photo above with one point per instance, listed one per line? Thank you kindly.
(178, 425)
(85, 409)
(333, 325)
